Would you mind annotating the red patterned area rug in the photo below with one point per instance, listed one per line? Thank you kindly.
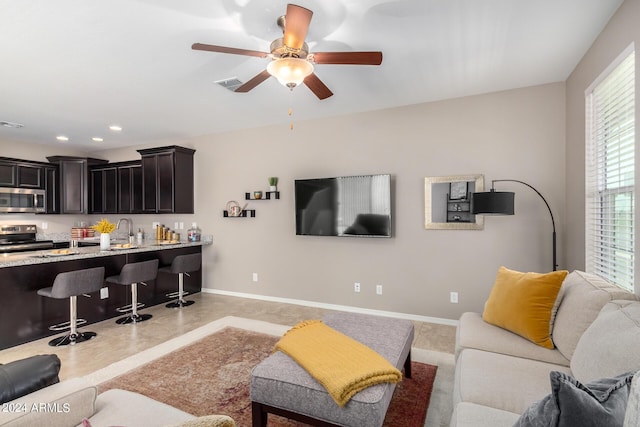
(212, 376)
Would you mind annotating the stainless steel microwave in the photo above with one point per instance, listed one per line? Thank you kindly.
(22, 200)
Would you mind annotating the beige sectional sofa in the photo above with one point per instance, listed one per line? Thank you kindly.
(500, 374)
(67, 403)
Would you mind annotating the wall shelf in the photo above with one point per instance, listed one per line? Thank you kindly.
(267, 195)
(251, 213)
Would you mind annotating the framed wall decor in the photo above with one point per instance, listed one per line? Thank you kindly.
(447, 202)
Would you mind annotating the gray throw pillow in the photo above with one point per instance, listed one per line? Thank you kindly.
(599, 403)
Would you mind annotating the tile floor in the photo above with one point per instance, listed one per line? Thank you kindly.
(115, 342)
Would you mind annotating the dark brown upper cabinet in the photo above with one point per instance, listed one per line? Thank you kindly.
(21, 173)
(167, 180)
(130, 187)
(74, 182)
(103, 190)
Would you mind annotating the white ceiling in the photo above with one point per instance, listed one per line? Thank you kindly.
(74, 67)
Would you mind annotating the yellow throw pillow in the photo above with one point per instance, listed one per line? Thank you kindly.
(523, 303)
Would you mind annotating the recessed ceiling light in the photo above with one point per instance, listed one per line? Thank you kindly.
(115, 128)
(11, 125)
(62, 138)
(97, 139)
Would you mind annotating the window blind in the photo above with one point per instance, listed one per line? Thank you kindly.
(610, 173)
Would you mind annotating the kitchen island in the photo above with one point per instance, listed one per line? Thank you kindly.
(27, 316)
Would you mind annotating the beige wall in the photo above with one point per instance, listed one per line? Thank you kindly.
(620, 32)
(517, 134)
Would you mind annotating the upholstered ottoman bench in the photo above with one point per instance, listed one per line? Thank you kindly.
(280, 386)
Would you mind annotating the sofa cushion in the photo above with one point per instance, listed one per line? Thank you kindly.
(473, 332)
(490, 379)
(124, 408)
(467, 414)
(584, 296)
(600, 403)
(24, 376)
(611, 344)
(523, 303)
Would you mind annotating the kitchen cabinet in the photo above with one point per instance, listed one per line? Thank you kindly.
(116, 188)
(167, 179)
(21, 173)
(130, 187)
(73, 182)
(103, 190)
(52, 188)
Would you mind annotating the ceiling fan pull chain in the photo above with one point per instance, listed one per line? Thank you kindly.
(291, 108)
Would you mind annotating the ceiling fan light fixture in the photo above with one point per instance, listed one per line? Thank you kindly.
(290, 71)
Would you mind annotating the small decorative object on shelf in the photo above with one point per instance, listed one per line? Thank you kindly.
(244, 214)
(267, 196)
(273, 183)
(234, 208)
(257, 195)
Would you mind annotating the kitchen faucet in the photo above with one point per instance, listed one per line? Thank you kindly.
(129, 223)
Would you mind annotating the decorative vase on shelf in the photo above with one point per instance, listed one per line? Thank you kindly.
(105, 241)
(273, 184)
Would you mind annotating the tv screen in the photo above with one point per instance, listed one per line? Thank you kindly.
(344, 206)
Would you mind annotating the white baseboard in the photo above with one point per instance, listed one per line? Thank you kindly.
(326, 306)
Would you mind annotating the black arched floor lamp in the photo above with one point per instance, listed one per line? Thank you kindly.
(502, 203)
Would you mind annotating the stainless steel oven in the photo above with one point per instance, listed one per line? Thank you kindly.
(17, 238)
(22, 200)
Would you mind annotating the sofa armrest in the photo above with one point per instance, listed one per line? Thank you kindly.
(60, 405)
(21, 377)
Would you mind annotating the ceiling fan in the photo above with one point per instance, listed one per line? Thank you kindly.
(292, 64)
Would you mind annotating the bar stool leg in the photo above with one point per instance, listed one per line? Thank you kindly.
(73, 337)
(181, 302)
(134, 317)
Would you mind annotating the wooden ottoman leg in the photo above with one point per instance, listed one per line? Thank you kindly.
(407, 366)
(258, 415)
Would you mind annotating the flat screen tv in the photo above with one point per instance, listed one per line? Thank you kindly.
(358, 206)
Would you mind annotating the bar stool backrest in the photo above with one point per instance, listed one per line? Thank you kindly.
(137, 272)
(77, 282)
(186, 263)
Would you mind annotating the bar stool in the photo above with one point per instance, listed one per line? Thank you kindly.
(181, 265)
(130, 275)
(69, 285)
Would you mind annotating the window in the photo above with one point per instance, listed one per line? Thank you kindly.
(610, 173)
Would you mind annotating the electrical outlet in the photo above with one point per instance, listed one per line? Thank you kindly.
(255, 277)
(181, 226)
(453, 297)
(154, 225)
(175, 225)
(379, 289)
(45, 225)
(104, 293)
(356, 287)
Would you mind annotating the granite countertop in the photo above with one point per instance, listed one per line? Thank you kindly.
(55, 255)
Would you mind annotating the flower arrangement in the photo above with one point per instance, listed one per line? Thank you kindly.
(104, 226)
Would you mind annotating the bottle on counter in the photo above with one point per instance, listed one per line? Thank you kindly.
(193, 234)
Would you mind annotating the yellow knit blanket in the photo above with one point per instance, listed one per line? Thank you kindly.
(341, 364)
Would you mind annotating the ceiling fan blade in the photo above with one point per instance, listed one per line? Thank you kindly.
(296, 25)
(317, 87)
(264, 75)
(353, 58)
(224, 49)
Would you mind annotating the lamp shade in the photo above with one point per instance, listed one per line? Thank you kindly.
(493, 203)
(290, 72)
